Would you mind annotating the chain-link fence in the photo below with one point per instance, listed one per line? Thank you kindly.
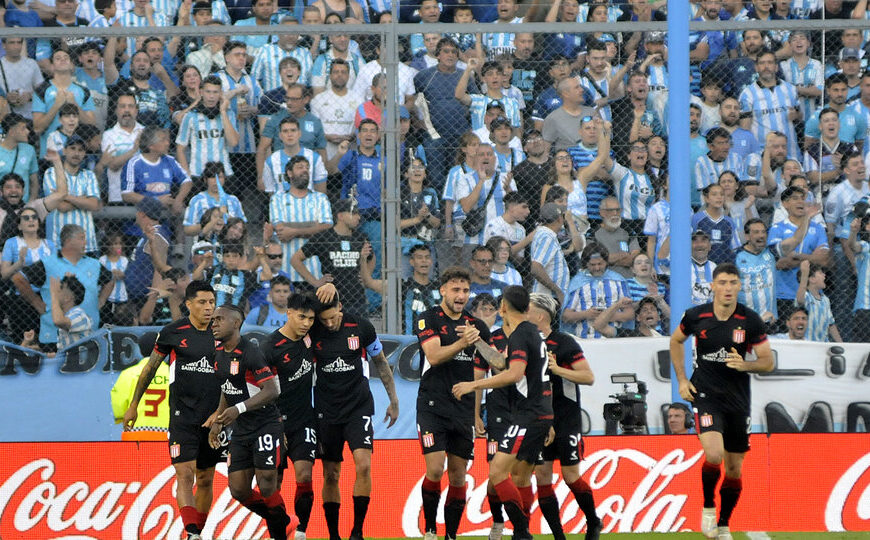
(293, 152)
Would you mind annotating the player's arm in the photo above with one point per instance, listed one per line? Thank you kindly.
(438, 354)
(386, 376)
(763, 364)
(687, 389)
(214, 428)
(489, 353)
(145, 378)
(510, 376)
(267, 394)
(578, 372)
(478, 402)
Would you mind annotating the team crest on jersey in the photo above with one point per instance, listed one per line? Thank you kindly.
(421, 324)
(234, 367)
(307, 341)
(492, 447)
(428, 440)
(353, 343)
(706, 420)
(174, 450)
(739, 335)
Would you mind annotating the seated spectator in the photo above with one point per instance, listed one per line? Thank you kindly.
(17, 156)
(810, 294)
(116, 311)
(796, 325)
(67, 313)
(757, 267)
(213, 196)
(647, 318)
(502, 269)
(482, 258)
(275, 166)
(679, 419)
(82, 199)
(702, 268)
(419, 213)
(272, 314)
(622, 247)
(508, 225)
(71, 259)
(274, 254)
(549, 268)
(313, 137)
(119, 144)
(592, 291)
(720, 227)
(69, 122)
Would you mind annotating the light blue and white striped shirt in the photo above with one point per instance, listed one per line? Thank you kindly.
(273, 170)
(13, 246)
(770, 108)
(634, 190)
(205, 139)
(247, 142)
(269, 56)
(702, 282)
(591, 94)
(509, 276)
(863, 112)
(706, 172)
(757, 280)
(119, 291)
(813, 74)
(320, 69)
(82, 184)
(495, 206)
(820, 317)
(499, 43)
(862, 262)
(638, 291)
(547, 251)
(129, 19)
(507, 162)
(658, 224)
(479, 102)
(80, 326)
(453, 176)
(596, 293)
(203, 201)
(577, 199)
(287, 208)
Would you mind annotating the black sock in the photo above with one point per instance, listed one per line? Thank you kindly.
(709, 478)
(495, 507)
(550, 509)
(454, 506)
(330, 512)
(360, 507)
(729, 493)
(518, 517)
(302, 504)
(431, 497)
(583, 495)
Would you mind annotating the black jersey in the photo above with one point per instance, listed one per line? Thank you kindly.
(566, 394)
(498, 400)
(436, 384)
(339, 256)
(341, 390)
(240, 373)
(293, 361)
(532, 396)
(713, 341)
(193, 390)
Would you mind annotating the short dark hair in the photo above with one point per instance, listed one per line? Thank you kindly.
(212, 169)
(813, 269)
(195, 287)
(715, 133)
(726, 268)
(367, 121)
(68, 109)
(418, 247)
(12, 120)
(849, 155)
(480, 248)
(748, 225)
(235, 309)
(591, 249)
(516, 297)
(102, 5)
(789, 191)
(175, 273)
(76, 288)
(287, 120)
(301, 301)
(483, 298)
(236, 248)
(555, 192)
(596, 45)
(514, 197)
(828, 110)
(320, 306)
(489, 66)
(455, 272)
(213, 80)
(11, 177)
(796, 309)
(234, 44)
(836, 78)
(68, 231)
(338, 62)
(294, 160)
(280, 280)
(445, 42)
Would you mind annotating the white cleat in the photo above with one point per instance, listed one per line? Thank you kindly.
(708, 523)
(430, 536)
(300, 535)
(496, 531)
(725, 534)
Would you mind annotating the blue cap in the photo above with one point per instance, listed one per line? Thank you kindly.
(403, 112)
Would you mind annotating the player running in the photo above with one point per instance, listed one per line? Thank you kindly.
(194, 395)
(248, 394)
(532, 419)
(449, 338)
(568, 369)
(343, 344)
(725, 332)
(288, 351)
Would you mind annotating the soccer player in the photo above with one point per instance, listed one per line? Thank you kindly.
(343, 344)
(449, 338)
(725, 331)
(248, 394)
(193, 396)
(532, 422)
(288, 351)
(568, 369)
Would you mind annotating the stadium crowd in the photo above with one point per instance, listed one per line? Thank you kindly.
(255, 162)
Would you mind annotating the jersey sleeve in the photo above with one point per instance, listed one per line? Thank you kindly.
(165, 341)
(427, 327)
(755, 334)
(687, 323)
(518, 352)
(256, 364)
(369, 338)
(571, 353)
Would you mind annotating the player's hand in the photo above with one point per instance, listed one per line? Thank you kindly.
(468, 334)
(479, 426)
(392, 414)
(687, 390)
(228, 416)
(210, 420)
(327, 278)
(130, 416)
(326, 292)
(854, 226)
(551, 362)
(551, 436)
(214, 433)
(735, 361)
(462, 388)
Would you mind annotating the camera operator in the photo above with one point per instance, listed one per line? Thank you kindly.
(679, 419)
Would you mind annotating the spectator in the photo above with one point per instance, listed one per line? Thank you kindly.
(593, 291)
(796, 325)
(165, 300)
(800, 181)
(350, 8)
(21, 76)
(374, 107)
(121, 143)
(261, 11)
(163, 55)
(697, 143)
(596, 182)
(19, 13)
(274, 254)
(272, 314)
(338, 50)
(739, 205)
(679, 419)
(702, 268)
(232, 282)
(269, 60)
(298, 214)
(482, 259)
(71, 320)
(17, 156)
(859, 245)
(142, 14)
(720, 227)
(213, 196)
(153, 102)
(757, 267)
(419, 212)
(647, 318)
(657, 229)
(633, 119)
(339, 250)
(116, 310)
(497, 43)
(272, 179)
(548, 99)
(69, 122)
(429, 12)
(508, 224)
(188, 96)
(776, 167)
(821, 325)
(491, 74)
(28, 247)
(502, 269)
(507, 153)
(152, 174)
(427, 57)
(469, 44)
(772, 101)
(363, 87)
(548, 264)
(644, 282)
(243, 94)
(720, 158)
(495, 110)
(151, 252)
(11, 203)
(71, 259)
(313, 138)
(336, 106)
(52, 94)
(62, 16)
(823, 159)
(742, 68)
(743, 141)
(560, 126)
(484, 306)
(533, 173)
(621, 246)
(601, 83)
(792, 241)
(805, 73)
(209, 58)
(82, 199)
(708, 103)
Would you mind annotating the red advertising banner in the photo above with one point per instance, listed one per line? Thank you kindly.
(124, 490)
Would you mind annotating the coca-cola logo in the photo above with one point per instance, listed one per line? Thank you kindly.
(849, 503)
(649, 507)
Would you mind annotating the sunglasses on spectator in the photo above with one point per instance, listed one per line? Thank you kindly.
(202, 251)
(273, 256)
(483, 261)
(29, 217)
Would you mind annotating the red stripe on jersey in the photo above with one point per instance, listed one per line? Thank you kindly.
(237, 351)
(741, 317)
(219, 348)
(705, 315)
(683, 329)
(185, 327)
(350, 325)
(250, 378)
(519, 353)
(429, 339)
(283, 341)
(172, 357)
(517, 443)
(761, 339)
(513, 359)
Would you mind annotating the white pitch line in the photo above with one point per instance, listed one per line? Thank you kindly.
(757, 535)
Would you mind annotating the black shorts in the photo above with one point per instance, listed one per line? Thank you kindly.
(300, 442)
(495, 432)
(526, 441)
(258, 450)
(190, 443)
(567, 448)
(441, 434)
(357, 433)
(734, 426)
